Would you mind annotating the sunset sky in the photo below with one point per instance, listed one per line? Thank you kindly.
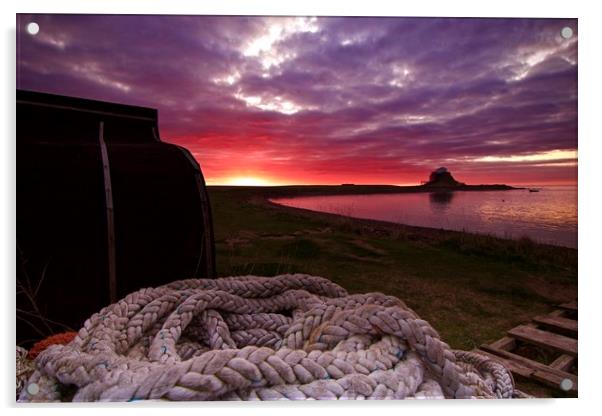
(302, 100)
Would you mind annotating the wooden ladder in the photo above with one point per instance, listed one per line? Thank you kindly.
(555, 333)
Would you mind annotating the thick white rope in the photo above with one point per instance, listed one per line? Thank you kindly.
(258, 338)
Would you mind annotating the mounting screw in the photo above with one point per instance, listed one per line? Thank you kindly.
(566, 384)
(566, 32)
(33, 28)
(33, 389)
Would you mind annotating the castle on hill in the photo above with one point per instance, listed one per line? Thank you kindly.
(442, 178)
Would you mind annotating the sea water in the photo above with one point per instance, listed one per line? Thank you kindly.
(548, 216)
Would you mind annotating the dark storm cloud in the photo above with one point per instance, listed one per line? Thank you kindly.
(378, 94)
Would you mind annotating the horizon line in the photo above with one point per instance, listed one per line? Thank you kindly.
(382, 184)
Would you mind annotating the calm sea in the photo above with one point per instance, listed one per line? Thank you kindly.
(548, 216)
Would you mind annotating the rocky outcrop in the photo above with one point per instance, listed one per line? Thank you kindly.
(442, 178)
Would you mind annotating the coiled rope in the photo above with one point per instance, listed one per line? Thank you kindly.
(257, 338)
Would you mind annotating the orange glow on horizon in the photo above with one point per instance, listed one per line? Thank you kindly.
(262, 180)
(272, 161)
(242, 181)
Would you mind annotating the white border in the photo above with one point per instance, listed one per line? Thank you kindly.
(590, 35)
(459, 8)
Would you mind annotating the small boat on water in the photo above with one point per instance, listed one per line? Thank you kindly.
(533, 190)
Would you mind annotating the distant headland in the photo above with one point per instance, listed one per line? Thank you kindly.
(442, 179)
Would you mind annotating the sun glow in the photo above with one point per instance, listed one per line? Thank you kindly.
(247, 181)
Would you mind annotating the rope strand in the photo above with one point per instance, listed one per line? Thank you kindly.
(287, 337)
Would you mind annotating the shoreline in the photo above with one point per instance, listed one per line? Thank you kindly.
(350, 189)
(423, 231)
(263, 195)
(383, 227)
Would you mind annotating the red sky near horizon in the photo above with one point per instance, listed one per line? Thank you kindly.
(298, 100)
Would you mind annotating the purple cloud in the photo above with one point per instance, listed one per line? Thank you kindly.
(391, 95)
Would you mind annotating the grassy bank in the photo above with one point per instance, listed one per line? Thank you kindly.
(471, 288)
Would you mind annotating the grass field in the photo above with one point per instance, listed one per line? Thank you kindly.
(471, 288)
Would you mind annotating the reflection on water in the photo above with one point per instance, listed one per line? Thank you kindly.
(440, 201)
(548, 216)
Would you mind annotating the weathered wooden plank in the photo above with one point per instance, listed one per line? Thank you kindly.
(570, 306)
(111, 250)
(506, 343)
(531, 369)
(545, 339)
(553, 380)
(557, 322)
(563, 363)
(527, 362)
